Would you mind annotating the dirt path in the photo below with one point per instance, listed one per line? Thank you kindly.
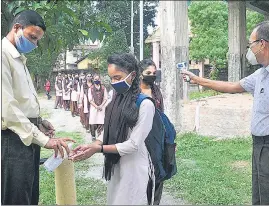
(63, 121)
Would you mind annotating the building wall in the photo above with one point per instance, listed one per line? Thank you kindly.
(83, 64)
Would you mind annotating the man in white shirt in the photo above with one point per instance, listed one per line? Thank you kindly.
(23, 131)
(258, 85)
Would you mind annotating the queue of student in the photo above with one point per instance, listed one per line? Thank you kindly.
(85, 96)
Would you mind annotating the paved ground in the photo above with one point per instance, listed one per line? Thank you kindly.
(223, 116)
(63, 121)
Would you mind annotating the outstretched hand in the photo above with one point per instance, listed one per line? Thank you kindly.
(83, 152)
(189, 74)
(58, 144)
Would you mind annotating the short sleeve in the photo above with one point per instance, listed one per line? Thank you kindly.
(249, 82)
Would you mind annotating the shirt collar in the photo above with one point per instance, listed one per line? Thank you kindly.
(10, 48)
(267, 68)
(23, 59)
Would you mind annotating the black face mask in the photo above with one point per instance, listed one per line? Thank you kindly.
(149, 79)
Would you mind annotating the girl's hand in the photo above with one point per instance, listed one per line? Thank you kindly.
(83, 152)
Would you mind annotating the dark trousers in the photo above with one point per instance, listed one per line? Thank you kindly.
(19, 171)
(58, 101)
(260, 171)
(87, 116)
(158, 193)
(94, 128)
(74, 108)
(82, 115)
(66, 104)
(48, 94)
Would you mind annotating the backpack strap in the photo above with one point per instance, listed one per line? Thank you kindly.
(141, 97)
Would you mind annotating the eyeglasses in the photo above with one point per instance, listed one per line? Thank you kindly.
(258, 40)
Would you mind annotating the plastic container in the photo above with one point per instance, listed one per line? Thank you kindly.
(53, 162)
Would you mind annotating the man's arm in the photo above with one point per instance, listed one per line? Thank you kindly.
(221, 86)
(15, 120)
(12, 117)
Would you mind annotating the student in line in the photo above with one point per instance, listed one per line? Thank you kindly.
(59, 92)
(127, 161)
(75, 91)
(84, 103)
(66, 93)
(97, 97)
(148, 76)
(82, 81)
(148, 86)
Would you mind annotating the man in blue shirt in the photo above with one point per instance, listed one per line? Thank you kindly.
(258, 85)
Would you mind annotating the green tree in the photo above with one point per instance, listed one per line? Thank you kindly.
(115, 43)
(209, 26)
(253, 18)
(118, 15)
(68, 24)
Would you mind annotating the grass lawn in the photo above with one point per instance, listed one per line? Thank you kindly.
(209, 172)
(89, 191)
(203, 94)
(45, 114)
(212, 172)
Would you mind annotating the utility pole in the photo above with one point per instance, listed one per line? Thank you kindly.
(174, 49)
(237, 44)
(132, 27)
(141, 30)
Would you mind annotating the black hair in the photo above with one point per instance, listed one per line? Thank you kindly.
(145, 63)
(127, 63)
(29, 18)
(263, 30)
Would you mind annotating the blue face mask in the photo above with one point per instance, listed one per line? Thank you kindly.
(23, 45)
(121, 86)
(97, 82)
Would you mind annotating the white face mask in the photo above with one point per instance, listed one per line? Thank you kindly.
(251, 57)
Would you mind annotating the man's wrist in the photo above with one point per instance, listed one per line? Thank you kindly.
(40, 138)
(195, 78)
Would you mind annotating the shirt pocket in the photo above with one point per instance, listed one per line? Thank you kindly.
(262, 103)
(20, 84)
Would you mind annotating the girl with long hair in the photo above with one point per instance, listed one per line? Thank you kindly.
(127, 164)
(148, 76)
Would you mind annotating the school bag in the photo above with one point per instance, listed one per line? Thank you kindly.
(161, 144)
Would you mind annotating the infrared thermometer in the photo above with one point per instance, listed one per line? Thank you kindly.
(181, 66)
